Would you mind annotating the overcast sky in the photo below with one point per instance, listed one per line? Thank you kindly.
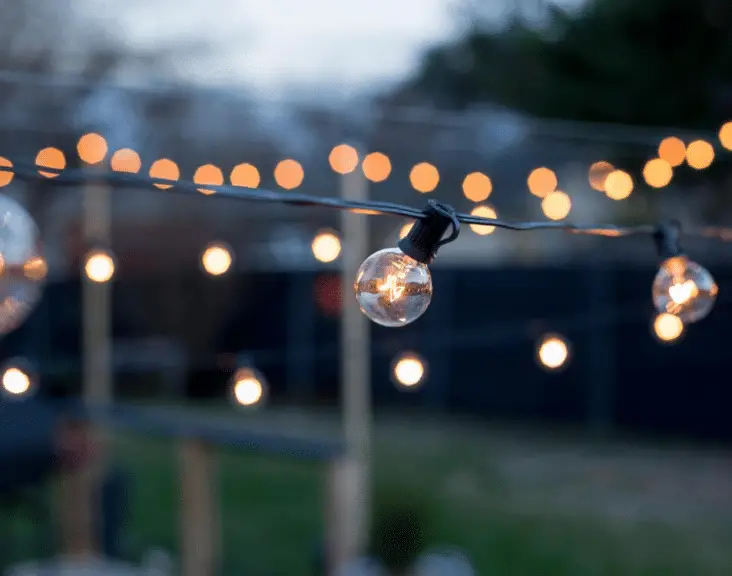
(271, 43)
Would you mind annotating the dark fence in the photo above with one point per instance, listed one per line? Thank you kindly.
(478, 337)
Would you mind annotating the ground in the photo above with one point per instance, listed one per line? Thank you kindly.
(519, 503)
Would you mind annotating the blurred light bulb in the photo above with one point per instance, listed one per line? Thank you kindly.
(216, 259)
(392, 288)
(249, 387)
(23, 269)
(409, 370)
(17, 378)
(685, 289)
(326, 246)
(99, 266)
(668, 327)
(553, 352)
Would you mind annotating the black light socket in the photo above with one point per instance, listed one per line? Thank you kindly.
(426, 235)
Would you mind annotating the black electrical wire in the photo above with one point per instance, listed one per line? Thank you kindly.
(77, 177)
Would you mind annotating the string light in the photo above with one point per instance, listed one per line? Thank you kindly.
(6, 177)
(99, 266)
(50, 158)
(376, 167)
(667, 327)
(618, 185)
(553, 352)
(126, 160)
(248, 387)
(164, 169)
(326, 246)
(672, 150)
(681, 287)
(394, 285)
(699, 154)
(217, 259)
(17, 378)
(542, 181)
(408, 370)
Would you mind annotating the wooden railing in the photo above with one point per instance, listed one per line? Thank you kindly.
(199, 437)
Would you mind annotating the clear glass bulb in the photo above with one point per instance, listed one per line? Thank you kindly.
(392, 288)
(23, 269)
(685, 289)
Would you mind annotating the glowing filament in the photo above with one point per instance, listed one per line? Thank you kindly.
(392, 288)
(682, 293)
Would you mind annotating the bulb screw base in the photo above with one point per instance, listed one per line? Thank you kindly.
(426, 235)
(667, 238)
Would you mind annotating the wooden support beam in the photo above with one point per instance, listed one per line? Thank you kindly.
(199, 518)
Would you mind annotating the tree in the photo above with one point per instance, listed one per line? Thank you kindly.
(656, 62)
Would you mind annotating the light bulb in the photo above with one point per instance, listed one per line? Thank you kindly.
(685, 289)
(23, 269)
(17, 378)
(248, 387)
(392, 288)
(394, 285)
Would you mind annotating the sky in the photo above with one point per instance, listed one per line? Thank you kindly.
(273, 44)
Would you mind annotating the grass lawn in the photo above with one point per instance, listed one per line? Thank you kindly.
(518, 504)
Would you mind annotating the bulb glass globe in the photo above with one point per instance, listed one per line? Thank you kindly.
(23, 269)
(393, 289)
(685, 289)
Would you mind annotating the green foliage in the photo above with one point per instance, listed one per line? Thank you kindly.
(655, 62)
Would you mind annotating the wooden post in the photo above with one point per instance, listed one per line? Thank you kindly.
(342, 484)
(80, 488)
(199, 523)
(355, 366)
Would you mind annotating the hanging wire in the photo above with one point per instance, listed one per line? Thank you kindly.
(77, 177)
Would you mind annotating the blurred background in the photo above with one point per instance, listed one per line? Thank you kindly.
(542, 417)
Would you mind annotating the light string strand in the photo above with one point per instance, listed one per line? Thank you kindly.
(79, 176)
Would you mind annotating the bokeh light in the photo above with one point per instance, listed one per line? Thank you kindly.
(16, 380)
(99, 266)
(542, 182)
(657, 173)
(424, 177)
(557, 205)
(599, 172)
(92, 148)
(672, 150)
(248, 387)
(208, 174)
(343, 159)
(166, 169)
(553, 352)
(289, 174)
(50, 158)
(217, 259)
(126, 160)
(483, 212)
(618, 185)
(326, 246)
(667, 327)
(699, 154)
(376, 167)
(477, 187)
(245, 175)
(408, 370)
(5, 176)
(725, 136)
